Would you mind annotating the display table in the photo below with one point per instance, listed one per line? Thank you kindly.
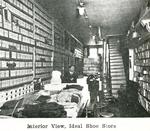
(73, 110)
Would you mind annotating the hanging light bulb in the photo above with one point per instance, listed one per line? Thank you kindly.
(128, 33)
(92, 40)
(134, 34)
(90, 26)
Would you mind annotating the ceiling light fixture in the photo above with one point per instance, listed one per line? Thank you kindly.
(81, 8)
(134, 34)
(92, 40)
(133, 29)
(128, 33)
(90, 26)
(100, 33)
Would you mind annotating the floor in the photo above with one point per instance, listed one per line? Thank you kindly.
(126, 105)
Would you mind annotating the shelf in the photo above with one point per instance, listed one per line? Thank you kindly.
(14, 86)
(21, 18)
(142, 59)
(48, 78)
(14, 77)
(38, 17)
(41, 73)
(44, 67)
(17, 51)
(15, 41)
(21, 68)
(49, 49)
(15, 60)
(49, 29)
(40, 10)
(144, 97)
(19, 8)
(26, 5)
(143, 51)
(145, 81)
(143, 65)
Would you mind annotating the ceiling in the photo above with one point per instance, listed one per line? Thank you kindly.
(113, 16)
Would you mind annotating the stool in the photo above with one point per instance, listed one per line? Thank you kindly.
(100, 108)
(90, 110)
(106, 114)
(108, 98)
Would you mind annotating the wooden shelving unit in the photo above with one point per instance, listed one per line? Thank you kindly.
(43, 40)
(16, 44)
(32, 44)
(142, 71)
